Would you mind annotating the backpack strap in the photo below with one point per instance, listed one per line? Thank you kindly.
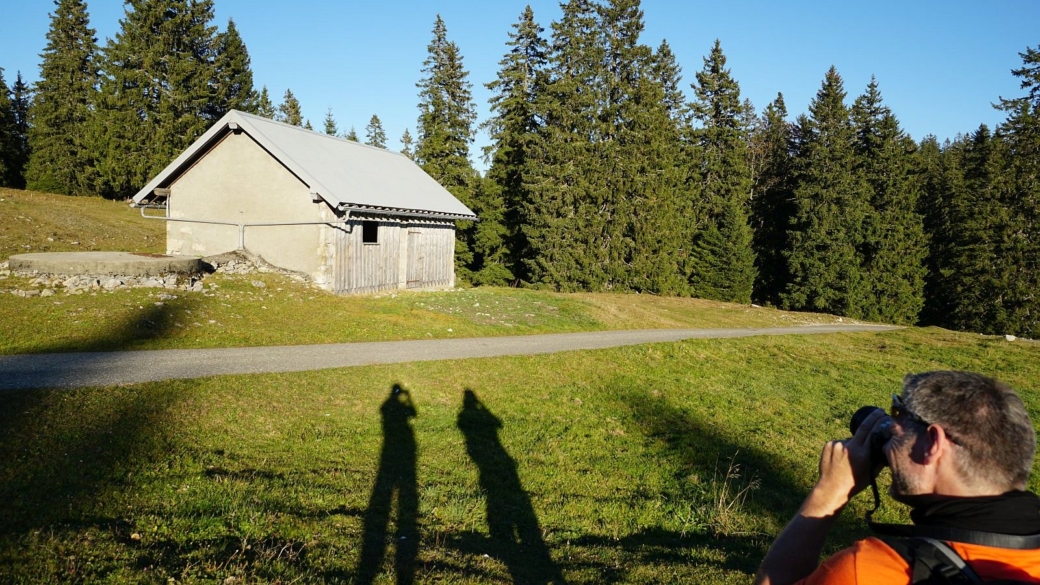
(933, 562)
(993, 539)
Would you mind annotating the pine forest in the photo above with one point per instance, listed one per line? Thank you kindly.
(605, 171)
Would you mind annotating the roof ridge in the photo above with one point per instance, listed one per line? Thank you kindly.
(263, 119)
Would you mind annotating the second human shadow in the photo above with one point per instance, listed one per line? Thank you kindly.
(516, 537)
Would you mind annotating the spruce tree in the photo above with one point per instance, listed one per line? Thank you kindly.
(330, 123)
(445, 131)
(59, 152)
(725, 182)
(156, 86)
(406, 144)
(21, 98)
(940, 174)
(351, 135)
(557, 176)
(9, 154)
(512, 129)
(771, 208)
(830, 204)
(667, 72)
(264, 107)
(374, 134)
(289, 110)
(893, 247)
(233, 82)
(1018, 311)
(972, 283)
(640, 194)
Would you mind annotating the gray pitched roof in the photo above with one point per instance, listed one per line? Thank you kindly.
(344, 173)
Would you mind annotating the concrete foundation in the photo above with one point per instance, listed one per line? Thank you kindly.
(114, 263)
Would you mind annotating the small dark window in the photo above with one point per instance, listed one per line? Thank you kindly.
(370, 232)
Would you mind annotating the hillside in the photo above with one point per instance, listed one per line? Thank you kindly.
(31, 221)
(273, 309)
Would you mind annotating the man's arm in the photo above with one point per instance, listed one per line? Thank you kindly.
(844, 472)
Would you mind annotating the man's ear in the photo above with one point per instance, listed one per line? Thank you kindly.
(938, 443)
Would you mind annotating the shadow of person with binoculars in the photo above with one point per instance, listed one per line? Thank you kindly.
(397, 474)
(516, 537)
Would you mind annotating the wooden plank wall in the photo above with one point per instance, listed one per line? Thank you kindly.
(368, 268)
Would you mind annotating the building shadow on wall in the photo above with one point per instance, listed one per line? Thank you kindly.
(516, 537)
(396, 475)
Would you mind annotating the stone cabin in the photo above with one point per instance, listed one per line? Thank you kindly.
(354, 218)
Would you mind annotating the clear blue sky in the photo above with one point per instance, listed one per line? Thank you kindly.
(940, 64)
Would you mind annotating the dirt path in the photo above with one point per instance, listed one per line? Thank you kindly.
(72, 370)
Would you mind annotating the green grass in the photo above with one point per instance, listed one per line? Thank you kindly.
(664, 463)
(235, 312)
(624, 459)
(31, 221)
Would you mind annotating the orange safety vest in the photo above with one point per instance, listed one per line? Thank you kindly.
(870, 562)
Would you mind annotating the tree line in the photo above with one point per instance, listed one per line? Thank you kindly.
(603, 171)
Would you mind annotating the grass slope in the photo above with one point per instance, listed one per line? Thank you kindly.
(661, 463)
(31, 221)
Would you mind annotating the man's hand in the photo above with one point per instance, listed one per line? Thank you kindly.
(844, 471)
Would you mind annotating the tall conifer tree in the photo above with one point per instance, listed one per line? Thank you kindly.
(330, 123)
(264, 106)
(445, 130)
(157, 81)
(9, 153)
(830, 205)
(723, 241)
(940, 174)
(21, 98)
(972, 280)
(557, 177)
(893, 247)
(771, 208)
(512, 129)
(59, 159)
(407, 144)
(1019, 191)
(374, 133)
(289, 110)
(233, 77)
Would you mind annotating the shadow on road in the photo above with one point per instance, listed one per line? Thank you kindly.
(516, 537)
(396, 475)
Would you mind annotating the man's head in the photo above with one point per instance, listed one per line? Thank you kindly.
(976, 426)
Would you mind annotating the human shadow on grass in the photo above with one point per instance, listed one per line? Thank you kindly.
(396, 475)
(515, 536)
(694, 448)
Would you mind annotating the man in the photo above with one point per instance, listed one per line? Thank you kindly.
(960, 453)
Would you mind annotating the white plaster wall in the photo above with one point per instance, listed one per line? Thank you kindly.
(239, 182)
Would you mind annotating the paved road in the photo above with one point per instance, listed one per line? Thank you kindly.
(72, 370)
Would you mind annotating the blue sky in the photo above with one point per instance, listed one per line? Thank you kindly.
(939, 64)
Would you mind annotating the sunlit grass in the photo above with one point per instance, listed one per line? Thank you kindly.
(660, 463)
(272, 309)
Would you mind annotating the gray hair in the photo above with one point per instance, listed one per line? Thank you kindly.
(982, 416)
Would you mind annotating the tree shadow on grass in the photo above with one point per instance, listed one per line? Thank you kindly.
(515, 536)
(63, 452)
(694, 448)
(396, 475)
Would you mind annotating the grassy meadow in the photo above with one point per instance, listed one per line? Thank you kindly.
(660, 463)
